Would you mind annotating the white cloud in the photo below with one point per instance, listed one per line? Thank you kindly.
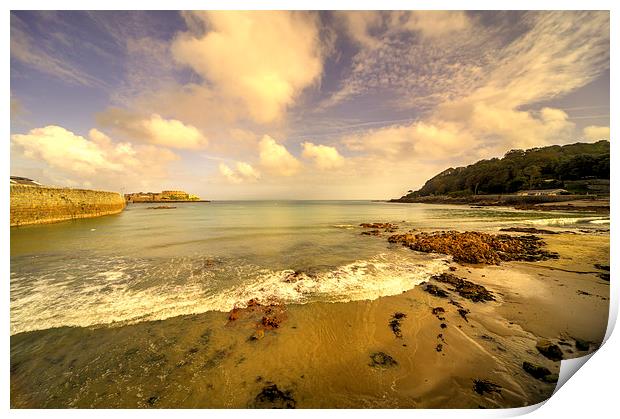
(244, 173)
(96, 159)
(419, 140)
(596, 132)
(276, 159)
(325, 157)
(435, 23)
(153, 129)
(261, 60)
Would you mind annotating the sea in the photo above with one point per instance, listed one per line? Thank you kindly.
(152, 264)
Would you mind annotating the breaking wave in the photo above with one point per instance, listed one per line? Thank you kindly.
(113, 290)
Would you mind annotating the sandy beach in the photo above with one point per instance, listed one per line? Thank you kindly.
(338, 355)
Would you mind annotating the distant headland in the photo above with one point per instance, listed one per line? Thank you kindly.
(538, 178)
(163, 196)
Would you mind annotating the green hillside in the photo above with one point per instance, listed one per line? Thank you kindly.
(572, 167)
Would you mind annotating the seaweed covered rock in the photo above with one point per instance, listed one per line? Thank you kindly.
(388, 227)
(486, 386)
(435, 290)
(476, 247)
(549, 350)
(395, 322)
(535, 371)
(271, 397)
(382, 360)
(466, 289)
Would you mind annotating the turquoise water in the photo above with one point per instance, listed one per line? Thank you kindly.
(146, 264)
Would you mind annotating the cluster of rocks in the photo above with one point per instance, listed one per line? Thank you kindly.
(382, 360)
(477, 247)
(395, 322)
(464, 288)
(539, 372)
(271, 397)
(271, 316)
(377, 228)
(486, 386)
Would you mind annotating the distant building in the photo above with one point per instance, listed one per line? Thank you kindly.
(18, 180)
(162, 196)
(543, 192)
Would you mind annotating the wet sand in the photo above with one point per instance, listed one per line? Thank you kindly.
(320, 354)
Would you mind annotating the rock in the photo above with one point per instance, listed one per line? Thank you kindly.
(443, 325)
(439, 347)
(549, 350)
(271, 397)
(452, 268)
(464, 288)
(602, 267)
(476, 247)
(234, 314)
(388, 227)
(486, 386)
(293, 277)
(258, 335)
(582, 345)
(152, 400)
(435, 290)
(382, 360)
(371, 233)
(536, 371)
(395, 324)
(253, 303)
(463, 313)
(271, 322)
(438, 312)
(551, 378)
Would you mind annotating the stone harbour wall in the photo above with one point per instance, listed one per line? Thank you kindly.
(40, 205)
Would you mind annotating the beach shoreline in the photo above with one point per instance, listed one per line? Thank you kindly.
(552, 203)
(338, 355)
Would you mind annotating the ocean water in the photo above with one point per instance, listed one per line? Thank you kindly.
(146, 264)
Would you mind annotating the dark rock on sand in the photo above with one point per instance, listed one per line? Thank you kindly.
(293, 277)
(395, 324)
(602, 267)
(476, 247)
(530, 230)
(604, 276)
(371, 233)
(464, 288)
(435, 290)
(463, 313)
(582, 345)
(536, 371)
(438, 312)
(271, 397)
(388, 227)
(382, 360)
(486, 386)
(551, 378)
(549, 350)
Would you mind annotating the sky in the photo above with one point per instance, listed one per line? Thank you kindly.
(296, 105)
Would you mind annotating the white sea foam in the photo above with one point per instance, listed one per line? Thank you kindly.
(568, 221)
(120, 294)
